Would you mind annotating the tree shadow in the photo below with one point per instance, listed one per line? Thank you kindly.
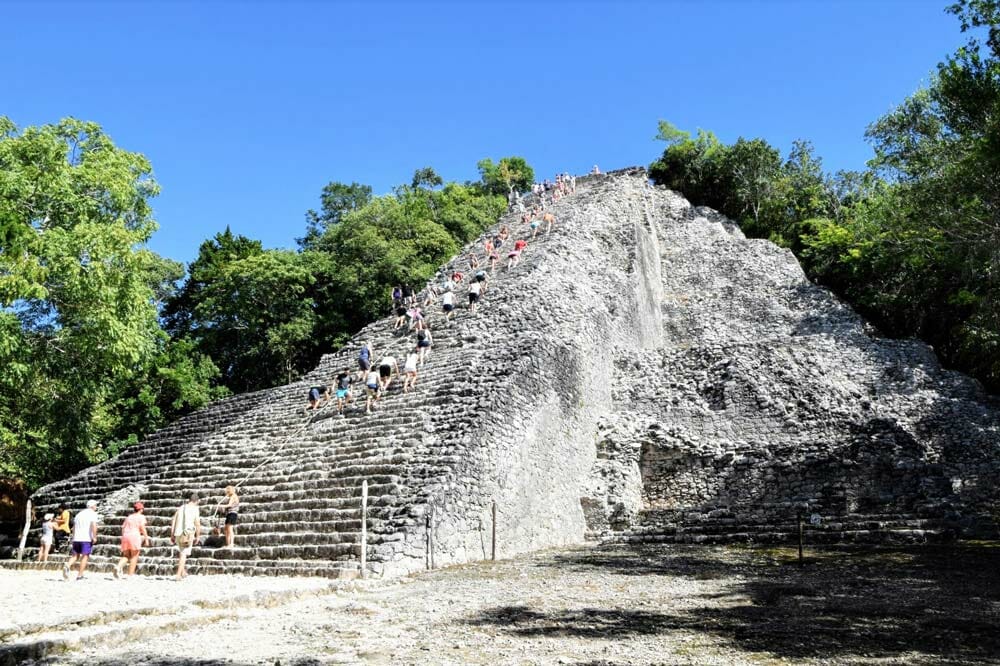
(581, 623)
(645, 561)
(936, 603)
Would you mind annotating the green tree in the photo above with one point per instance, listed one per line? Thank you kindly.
(214, 255)
(426, 178)
(752, 170)
(261, 304)
(336, 200)
(694, 167)
(78, 292)
(509, 174)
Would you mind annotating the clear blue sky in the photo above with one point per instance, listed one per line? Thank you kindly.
(246, 109)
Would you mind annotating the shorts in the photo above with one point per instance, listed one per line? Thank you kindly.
(448, 307)
(364, 364)
(536, 224)
(372, 390)
(411, 371)
(513, 254)
(313, 395)
(384, 371)
(400, 312)
(231, 518)
(82, 547)
(46, 541)
(473, 297)
(130, 552)
(342, 393)
(424, 343)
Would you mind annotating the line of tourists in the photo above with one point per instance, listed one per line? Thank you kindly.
(411, 314)
(184, 533)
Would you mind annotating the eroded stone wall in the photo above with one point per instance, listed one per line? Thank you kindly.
(769, 396)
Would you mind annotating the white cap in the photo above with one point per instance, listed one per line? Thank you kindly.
(91, 504)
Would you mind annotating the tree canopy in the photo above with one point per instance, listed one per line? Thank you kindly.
(78, 296)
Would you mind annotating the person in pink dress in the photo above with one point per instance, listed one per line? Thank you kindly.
(134, 536)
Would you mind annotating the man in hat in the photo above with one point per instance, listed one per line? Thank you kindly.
(185, 530)
(134, 536)
(84, 537)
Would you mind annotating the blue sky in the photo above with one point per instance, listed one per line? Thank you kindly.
(246, 109)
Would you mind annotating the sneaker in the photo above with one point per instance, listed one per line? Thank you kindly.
(65, 571)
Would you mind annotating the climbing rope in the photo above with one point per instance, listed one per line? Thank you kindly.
(288, 438)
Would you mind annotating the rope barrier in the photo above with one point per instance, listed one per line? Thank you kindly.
(288, 438)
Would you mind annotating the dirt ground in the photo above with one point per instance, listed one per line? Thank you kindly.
(616, 606)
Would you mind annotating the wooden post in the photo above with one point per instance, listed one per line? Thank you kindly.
(364, 528)
(24, 534)
(800, 538)
(430, 534)
(493, 550)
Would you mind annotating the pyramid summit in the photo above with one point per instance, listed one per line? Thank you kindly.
(644, 373)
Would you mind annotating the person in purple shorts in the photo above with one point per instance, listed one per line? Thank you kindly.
(84, 536)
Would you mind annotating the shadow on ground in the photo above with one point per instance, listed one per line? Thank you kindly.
(932, 603)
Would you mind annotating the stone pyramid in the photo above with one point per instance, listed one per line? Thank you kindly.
(645, 373)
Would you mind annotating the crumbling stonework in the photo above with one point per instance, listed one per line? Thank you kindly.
(645, 373)
(770, 397)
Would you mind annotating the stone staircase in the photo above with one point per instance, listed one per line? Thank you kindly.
(301, 475)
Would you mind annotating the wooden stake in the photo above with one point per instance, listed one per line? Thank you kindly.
(493, 550)
(364, 528)
(430, 534)
(800, 538)
(24, 534)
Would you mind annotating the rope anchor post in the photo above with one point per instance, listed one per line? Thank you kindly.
(493, 548)
(24, 534)
(364, 528)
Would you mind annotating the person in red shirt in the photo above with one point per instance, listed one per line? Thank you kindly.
(134, 536)
(515, 255)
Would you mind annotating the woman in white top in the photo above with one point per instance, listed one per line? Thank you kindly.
(474, 289)
(410, 371)
(48, 532)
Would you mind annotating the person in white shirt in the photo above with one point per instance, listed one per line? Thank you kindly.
(372, 389)
(84, 536)
(386, 367)
(185, 530)
(474, 289)
(410, 371)
(448, 303)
